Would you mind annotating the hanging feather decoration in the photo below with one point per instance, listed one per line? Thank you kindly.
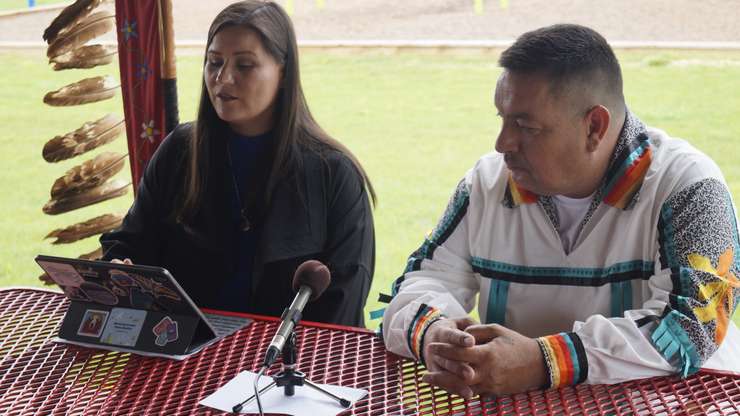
(89, 228)
(90, 174)
(88, 137)
(104, 192)
(97, 24)
(89, 182)
(69, 17)
(88, 90)
(93, 255)
(85, 57)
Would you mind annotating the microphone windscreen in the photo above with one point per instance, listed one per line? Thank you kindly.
(314, 274)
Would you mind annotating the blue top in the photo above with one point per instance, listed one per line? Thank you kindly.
(245, 152)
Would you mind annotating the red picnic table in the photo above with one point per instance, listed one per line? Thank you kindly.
(40, 376)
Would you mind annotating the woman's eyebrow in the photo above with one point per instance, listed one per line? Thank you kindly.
(245, 52)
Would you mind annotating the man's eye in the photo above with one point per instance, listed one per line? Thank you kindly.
(527, 129)
(215, 64)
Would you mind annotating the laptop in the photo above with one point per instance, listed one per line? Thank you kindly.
(133, 308)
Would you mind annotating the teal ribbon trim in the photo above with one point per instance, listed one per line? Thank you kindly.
(735, 237)
(460, 200)
(377, 314)
(583, 272)
(498, 295)
(674, 344)
(573, 357)
(621, 298)
(669, 246)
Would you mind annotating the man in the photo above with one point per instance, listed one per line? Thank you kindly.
(601, 250)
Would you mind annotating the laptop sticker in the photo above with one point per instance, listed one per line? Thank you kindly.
(63, 274)
(75, 293)
(124, 326)
(155, 288)
(87, 271)
(92, 323)
(99, 294)
(116, 290)
(132, 280)
(121, 279)
(162, 291)
(165, 331)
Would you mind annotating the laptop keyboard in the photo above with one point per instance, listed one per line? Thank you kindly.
(225, 325)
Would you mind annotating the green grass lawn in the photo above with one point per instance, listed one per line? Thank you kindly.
(7, 5)
(417, 121)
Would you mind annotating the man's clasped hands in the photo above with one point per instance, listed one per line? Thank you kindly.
(467, 359)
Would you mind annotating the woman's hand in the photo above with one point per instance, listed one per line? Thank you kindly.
(124, 261)
(46, 279)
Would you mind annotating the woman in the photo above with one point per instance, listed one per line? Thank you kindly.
(232, 203)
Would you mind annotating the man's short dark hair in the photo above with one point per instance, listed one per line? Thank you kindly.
(567, 54)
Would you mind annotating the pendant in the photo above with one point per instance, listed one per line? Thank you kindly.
(245, 225)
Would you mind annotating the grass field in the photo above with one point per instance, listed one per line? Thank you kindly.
(8, 5)
(417, 121)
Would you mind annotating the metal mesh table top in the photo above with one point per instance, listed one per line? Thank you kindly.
(39, 376)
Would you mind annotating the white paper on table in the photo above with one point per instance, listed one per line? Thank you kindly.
(306, 401)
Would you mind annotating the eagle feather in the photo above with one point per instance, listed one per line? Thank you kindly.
(89, 136)
(70, 16)
(104, 192)
(88, 90)
(87, 175)
(97, 24)
(84, 57)
(89, 228)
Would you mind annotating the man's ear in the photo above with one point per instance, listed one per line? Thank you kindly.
(597, 123)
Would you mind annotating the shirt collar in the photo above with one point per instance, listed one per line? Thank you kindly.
(623, 180)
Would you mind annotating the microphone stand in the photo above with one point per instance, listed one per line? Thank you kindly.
(289, 377)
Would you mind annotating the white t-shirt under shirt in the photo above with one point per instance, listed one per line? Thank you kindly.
(571, 212)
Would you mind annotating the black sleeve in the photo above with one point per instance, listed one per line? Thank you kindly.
(349, 250)
(140, 235)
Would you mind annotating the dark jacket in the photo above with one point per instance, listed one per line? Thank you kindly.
(329, 220)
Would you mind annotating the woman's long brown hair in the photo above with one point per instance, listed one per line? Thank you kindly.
(294, 126)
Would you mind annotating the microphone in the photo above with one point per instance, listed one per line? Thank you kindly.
(310, 280)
